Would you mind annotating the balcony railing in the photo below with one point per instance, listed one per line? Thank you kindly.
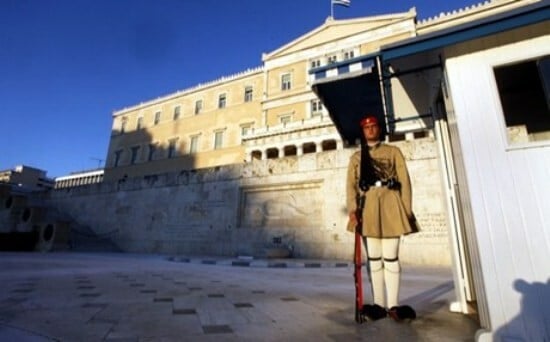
(321, 120)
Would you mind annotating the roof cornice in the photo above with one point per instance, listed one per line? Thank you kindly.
(330, 22)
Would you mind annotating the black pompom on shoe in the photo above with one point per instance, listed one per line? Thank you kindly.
(374, 311)
(402, 312)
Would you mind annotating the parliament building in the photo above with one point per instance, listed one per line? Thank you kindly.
(266, 112)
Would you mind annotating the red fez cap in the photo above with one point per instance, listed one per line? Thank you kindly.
(368, 120)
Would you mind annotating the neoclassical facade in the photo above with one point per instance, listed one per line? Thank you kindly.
(266, 112)
(271, 111)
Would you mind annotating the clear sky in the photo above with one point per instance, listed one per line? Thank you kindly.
(66, 65)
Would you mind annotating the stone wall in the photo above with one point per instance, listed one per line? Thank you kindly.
(247, 209)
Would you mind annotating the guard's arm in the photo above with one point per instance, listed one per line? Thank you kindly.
(404, 180)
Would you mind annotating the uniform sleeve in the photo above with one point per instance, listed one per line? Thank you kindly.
(351, 183)
(404, 179)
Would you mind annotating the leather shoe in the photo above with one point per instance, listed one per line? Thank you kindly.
(402, 312)
(374, 311)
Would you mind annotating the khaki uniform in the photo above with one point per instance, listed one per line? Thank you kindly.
(387, 213)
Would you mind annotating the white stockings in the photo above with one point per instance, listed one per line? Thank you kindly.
(384, 269)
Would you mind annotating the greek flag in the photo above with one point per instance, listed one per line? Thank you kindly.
(341, 2)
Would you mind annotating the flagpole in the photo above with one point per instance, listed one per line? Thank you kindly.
(331, 10)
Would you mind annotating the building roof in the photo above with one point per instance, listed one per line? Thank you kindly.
(195, 88)
(518, 17)
(337, 30)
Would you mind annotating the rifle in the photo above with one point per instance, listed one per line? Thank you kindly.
(357, 260)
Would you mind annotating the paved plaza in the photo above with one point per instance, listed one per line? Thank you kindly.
(67, 296)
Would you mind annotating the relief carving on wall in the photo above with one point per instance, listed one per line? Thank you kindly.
(290, 205)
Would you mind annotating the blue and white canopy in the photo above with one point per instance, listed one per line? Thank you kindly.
(349, 91)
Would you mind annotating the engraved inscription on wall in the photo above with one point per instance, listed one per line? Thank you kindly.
(288, 205)
(433, 230)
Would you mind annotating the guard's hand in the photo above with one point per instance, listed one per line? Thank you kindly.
(352, 222)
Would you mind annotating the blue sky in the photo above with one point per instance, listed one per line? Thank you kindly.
(66, 65)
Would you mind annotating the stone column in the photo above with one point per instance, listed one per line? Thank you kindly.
(318, 146)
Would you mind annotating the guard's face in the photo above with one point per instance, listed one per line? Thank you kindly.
(371, 132)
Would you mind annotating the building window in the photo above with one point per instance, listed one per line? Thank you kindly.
(316, 107)
(248, 94)
(123, 124)
(194, 145)
(134, 157)
(218, 140)
(290, 150)
(349, 55)
(118, 156)
(157, 118)
(246, 130)
(286, 83)
(222, 101)
(151, 154)
(198, 106)
(177, 112)
(332, 59)
(139, 123)
(284, 119)
(172, 148)
(272, 153)
(315, 63)
(256, 155)
(309, 148)
(328, 145)
(524, 90)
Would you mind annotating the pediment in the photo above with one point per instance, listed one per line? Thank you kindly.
(335, 30)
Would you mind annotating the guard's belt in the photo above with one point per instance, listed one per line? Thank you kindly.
(390, 183)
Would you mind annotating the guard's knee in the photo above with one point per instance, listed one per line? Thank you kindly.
(375, 264)
(392, 265)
